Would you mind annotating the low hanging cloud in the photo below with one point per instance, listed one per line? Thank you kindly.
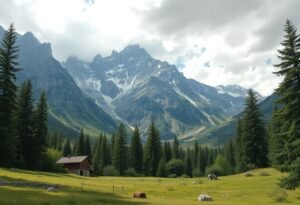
(212, 41)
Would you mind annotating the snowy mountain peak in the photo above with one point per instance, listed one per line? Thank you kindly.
(134, 87)
(134, 51)
(235, 90)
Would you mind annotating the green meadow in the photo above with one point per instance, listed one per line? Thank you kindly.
(229, 190)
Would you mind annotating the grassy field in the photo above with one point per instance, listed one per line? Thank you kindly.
(231, 190)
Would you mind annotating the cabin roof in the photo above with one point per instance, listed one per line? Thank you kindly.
(69, 160)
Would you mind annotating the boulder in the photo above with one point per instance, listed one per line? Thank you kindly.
(51, 189)
(212, 177)
(204, 197)
(139, 195)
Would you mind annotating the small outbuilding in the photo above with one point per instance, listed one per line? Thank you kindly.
(80, 165)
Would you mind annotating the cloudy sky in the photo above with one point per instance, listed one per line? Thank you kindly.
(212, 41)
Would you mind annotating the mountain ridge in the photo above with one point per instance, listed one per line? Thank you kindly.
(126, 85)
(69, 108)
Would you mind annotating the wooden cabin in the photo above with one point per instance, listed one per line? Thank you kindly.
(80, 165)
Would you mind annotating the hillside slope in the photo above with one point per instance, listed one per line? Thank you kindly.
(222, 133)
(69, 108)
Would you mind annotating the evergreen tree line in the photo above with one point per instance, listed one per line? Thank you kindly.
(119, 155)
(278, 143)
(23, 125)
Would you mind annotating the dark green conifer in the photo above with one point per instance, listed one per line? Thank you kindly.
(8, 93)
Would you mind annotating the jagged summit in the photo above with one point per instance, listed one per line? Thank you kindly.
(135, 88)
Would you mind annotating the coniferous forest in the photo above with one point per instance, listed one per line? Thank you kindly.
(27, 144)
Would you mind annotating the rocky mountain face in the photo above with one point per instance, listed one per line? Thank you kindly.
(235, 91)
(69, 108)
(135, 88)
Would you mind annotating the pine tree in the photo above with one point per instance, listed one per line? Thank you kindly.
(175, 148)
(24, 127)
(229, 154)
(67, 148)
(289, 101)
(53, 141)
(96, 155)
(136, 151)
(162, 169)
(152, 153)
(103, 154)
(40, 129)
(195, 155)
(8, 89)
(188, 163)
(276, 142)
(253, 141)
(167, 151)
(239, 152)
(87, 147)
(119, 158)
(80, 147)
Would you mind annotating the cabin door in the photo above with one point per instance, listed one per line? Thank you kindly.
(81, 173)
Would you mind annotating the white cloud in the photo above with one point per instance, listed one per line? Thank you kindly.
(237, 35)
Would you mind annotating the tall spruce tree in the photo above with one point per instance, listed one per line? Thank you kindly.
(80, 146)
(195, 154)
(119, 158)
(96, 155)
(229, 154)
(167, 151)
(8, 89)
(153, 151)
(289, 101)
(67, 148)
(136, 151)
(188, 163)
(276, 142)
(40, 130)
(253, 142)
(87, 147)
(175, 148)
(24, 128)
(103, 160)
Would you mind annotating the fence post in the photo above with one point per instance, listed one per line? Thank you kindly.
(113, 189)
(81, 186)
(123, 190)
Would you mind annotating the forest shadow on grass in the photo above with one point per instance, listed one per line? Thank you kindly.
(40, 173)
(10, 195)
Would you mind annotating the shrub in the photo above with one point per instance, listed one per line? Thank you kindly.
(49, 162)
(110, 171)
(131, 172)
(278, 194)
(264, 173)
(162, 169)
(185, 176)
(197, 172)
(172, 176)
(248, 174)
(220, 167)
(214, 170)
(251, 166)
(175, 166)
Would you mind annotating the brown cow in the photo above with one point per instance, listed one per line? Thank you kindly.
(139, 195)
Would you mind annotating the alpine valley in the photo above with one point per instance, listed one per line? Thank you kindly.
(128, 86)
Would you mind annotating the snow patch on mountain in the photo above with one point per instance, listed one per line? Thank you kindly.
(177, 90)
(209, 118)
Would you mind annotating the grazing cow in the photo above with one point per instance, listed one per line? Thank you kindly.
(139, 195)
(212, 177)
